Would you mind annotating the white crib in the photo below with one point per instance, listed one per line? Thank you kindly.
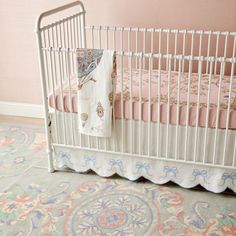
(175, 113)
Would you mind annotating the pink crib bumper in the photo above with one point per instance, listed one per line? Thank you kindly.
(70, 102)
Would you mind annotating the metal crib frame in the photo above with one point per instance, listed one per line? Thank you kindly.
(57, 42)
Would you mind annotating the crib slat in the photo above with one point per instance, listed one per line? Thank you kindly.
(217, 49)
(200, 44)
(208, 111)
(114, 39)
(167, 46)
(58, 36)
(222, 63)
(107, 38)
(136, 47)
(131, 137)
(208, 50)
(53, 86)
(198, 108)
(69, 81)
(183, 50)
(175, 48)
(168, 106)
(234, 46)
(100, 37)
(46, 62)
(159, 41)
(92, 37)
(122, 89)
(159, 106)
(144, 47)
(188, 106)
(192, 42)
(228, 110)
(114, 141)
(178, 109)
(149, 102)
(140, 104)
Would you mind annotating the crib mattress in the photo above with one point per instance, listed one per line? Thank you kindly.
(70, 102)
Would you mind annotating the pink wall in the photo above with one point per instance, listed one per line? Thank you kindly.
(19, 73)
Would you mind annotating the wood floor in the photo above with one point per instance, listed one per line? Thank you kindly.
(21, 120)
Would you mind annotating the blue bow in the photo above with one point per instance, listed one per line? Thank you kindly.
(89, 159)
(202, 173)
(168, 169)
(231, 176)
(142, 165)
(197, 172)
(118, 163)
(65, 155)
(226, 176)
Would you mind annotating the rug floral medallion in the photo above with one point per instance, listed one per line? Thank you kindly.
(35, 202)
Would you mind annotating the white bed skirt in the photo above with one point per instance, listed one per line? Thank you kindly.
(135, 165)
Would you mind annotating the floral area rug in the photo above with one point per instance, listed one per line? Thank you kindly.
(35, 202)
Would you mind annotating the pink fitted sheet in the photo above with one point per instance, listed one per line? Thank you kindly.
(70, 101)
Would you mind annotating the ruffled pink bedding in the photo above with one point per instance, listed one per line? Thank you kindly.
(70, 105)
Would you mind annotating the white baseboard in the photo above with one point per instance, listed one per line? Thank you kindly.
(21, 109)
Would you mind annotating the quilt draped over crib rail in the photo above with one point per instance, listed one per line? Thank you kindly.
(96, 70)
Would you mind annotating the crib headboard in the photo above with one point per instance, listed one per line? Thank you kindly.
(70, 17)
(62, 27)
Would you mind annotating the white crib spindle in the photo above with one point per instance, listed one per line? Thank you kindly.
(228, 108)
(234, 46)
(169, 57)
(152, 40)
(149, 101)
(114, 38)
(192, 42)
(131, 103)
(140, 102)
(53, 86)
(159, 105)
(46, 62)
(107, 38)
(100, 37)
(200, 43)
(167, 46)
(92, 36)
(208, 110)
(208, 50)
(129, 39)
(144, 46)
(61, 83)
(217, 49)
(122, 90)
(159, 40)
(175, 47)
(198, 107)
(178, 108)
(136, 47)
(70, 97)
(68, 58)
(188, 108)
(222, 63)
(183, 48)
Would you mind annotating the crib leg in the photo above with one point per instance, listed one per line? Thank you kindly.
(50, 162)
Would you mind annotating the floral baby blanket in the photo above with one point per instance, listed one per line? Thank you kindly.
(96, 71)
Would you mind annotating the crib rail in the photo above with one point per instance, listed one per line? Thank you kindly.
(165, 41)
(185, 53)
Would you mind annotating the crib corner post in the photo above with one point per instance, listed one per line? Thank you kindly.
(50, 161)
